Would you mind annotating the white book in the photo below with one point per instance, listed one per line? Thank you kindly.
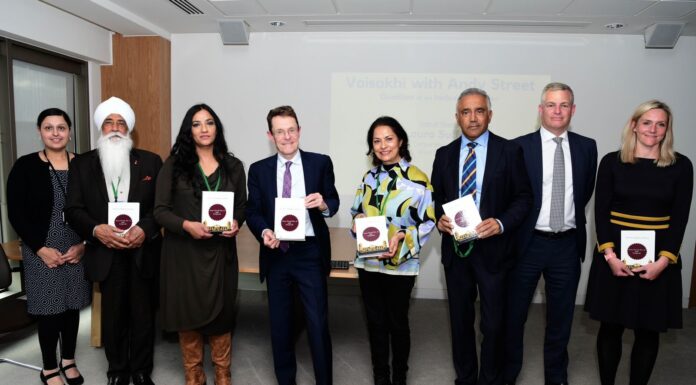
(290, 219)
(371, 236)
(465, 217)
(124, 215)
(217, 210)
(637, 247)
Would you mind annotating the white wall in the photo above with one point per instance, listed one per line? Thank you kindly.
(44, 26)
(611, 75)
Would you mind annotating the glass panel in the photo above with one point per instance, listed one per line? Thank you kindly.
(35, 89)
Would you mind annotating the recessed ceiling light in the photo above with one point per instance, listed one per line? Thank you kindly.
(277, 23)
(614, 26)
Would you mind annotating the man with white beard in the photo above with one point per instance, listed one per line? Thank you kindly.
(125, 265)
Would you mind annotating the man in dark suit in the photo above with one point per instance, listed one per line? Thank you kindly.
(552, 238)
(501, 191)
(294, 265)
(125, 265)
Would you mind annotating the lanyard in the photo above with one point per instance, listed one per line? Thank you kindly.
(63, 189)
(205, 179)
(115, 188)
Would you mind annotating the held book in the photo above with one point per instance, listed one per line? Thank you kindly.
(637, 247)
(371, 236)
(124, 215)
(465, 217)
(217, 210)
(290, 219)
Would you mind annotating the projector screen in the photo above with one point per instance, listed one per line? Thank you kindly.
(424, 104)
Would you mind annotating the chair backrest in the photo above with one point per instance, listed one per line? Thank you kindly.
(5, 270)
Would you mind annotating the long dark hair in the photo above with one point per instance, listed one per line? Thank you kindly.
(184, 150)
(398, 130)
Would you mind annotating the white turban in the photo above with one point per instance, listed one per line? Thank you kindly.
(114, 105)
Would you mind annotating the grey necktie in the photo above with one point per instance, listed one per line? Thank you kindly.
(556, 215)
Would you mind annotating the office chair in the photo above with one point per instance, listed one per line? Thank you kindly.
(13, 309)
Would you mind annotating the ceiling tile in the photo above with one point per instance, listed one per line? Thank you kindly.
(528, 7)
(448, 7)
(238, 7)
(299, 7)
(670, 9)
(601, 8)
(365, 7)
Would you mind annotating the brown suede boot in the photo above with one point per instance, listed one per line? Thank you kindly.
(191, 343)
(220, 354)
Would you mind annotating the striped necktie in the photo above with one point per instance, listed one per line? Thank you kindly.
(468, 185)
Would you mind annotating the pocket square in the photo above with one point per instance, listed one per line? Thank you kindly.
(147, 178)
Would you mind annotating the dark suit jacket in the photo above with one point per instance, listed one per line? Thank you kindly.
(87, 207)
(260, 211)
(583, 158)
(506, 197)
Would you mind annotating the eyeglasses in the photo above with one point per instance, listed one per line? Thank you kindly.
(109, 123)
(292, 132)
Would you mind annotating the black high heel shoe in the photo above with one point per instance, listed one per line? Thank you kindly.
(71, 381)
(45, 378)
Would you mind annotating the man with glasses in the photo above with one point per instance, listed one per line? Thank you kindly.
(124, 263)
(289, 266)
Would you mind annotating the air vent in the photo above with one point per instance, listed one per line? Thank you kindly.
(187, 7)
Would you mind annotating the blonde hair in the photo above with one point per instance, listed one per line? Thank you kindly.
(629, 138)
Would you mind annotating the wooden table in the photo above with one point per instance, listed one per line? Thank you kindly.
(342, 248)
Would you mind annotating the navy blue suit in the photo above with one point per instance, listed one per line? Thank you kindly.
(558, 258)
(506, 197)
(304, 267)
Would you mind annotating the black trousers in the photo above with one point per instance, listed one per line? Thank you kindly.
(387, 299)
(127, 318)
(467, 279)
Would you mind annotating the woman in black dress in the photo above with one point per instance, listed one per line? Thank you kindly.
(51, 251)
(198, 268)
(645, 185)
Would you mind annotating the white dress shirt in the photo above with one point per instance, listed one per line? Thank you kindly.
(548, 149)
(298, 185)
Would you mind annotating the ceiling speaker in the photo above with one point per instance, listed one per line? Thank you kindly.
(662, 35)
(234, 32)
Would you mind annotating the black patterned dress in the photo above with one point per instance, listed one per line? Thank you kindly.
(53, 291)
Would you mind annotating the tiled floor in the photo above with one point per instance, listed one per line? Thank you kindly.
(430, 360)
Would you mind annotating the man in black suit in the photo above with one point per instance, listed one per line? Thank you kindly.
(501, 191)
(125, 265)
(552, 239)
(294, 265)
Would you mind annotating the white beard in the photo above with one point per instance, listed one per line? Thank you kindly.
(114, 154)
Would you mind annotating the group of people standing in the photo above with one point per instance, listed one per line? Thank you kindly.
(531, 193)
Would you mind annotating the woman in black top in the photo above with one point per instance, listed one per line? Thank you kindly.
(198, 268)
(54, 277)
(647, 186)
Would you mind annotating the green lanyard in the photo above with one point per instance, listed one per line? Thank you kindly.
(205, 179)
(115, 188)
(459, 252)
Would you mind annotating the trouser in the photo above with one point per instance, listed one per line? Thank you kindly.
(299, 268)
(387, 299)
(127, 318)
(557, 259)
